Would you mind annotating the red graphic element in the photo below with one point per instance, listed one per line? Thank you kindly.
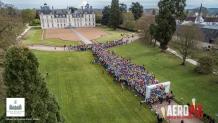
(196, 111)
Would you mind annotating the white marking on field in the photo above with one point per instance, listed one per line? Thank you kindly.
(82, 37)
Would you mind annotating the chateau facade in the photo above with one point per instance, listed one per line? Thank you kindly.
(66, 18)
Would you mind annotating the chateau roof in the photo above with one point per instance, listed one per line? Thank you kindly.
(45, 9)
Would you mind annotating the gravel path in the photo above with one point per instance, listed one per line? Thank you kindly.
(46, 48)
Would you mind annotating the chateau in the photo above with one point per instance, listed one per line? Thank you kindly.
(66, 18)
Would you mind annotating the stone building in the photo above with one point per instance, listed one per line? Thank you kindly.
(66, 18)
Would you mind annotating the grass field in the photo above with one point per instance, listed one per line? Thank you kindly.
(86, 93)
(33, 37)
(185, 83)
(112, 34)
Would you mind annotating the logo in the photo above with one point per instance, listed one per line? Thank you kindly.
(183, 111)
(15, 107)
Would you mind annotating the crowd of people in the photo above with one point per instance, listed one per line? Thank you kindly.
(108, 44)
(157, 94)
(83, 47)
(135, 76)
(132, 75)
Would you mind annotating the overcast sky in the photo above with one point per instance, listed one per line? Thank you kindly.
(101, 3)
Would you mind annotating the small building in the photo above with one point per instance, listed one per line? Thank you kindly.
(200, 20)
(208, 25)
(66, 18)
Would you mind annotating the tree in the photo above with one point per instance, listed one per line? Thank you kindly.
(214, 54)
(106, 15)
(98, 16)
(143, 24)
(187, 37)
(72, 9)
(35, 22)
(128, 21)
(21, 69)
(205, 65)
(153, 12)
(216, 41)
(123, 8)
(115, 14)
(152, 31)
(10, 25)
(123, 11)
(137, 10)
(214, 78)
(169, 11)
(28, 15)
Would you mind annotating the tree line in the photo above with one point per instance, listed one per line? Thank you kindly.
(20, 76)
(12, 23)
(117, 15)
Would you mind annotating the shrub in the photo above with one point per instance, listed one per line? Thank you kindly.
(214, 78)
(205, 65)
(35, 22)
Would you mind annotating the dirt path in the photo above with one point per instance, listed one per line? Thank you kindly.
(46, 48)
(23, 33)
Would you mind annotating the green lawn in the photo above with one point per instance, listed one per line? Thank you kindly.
(185, 83)
(112, 34)
(34, 37)
(86, 93)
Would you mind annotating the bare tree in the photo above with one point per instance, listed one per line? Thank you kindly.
(10, 25)
(143, 25)
(187, 37)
